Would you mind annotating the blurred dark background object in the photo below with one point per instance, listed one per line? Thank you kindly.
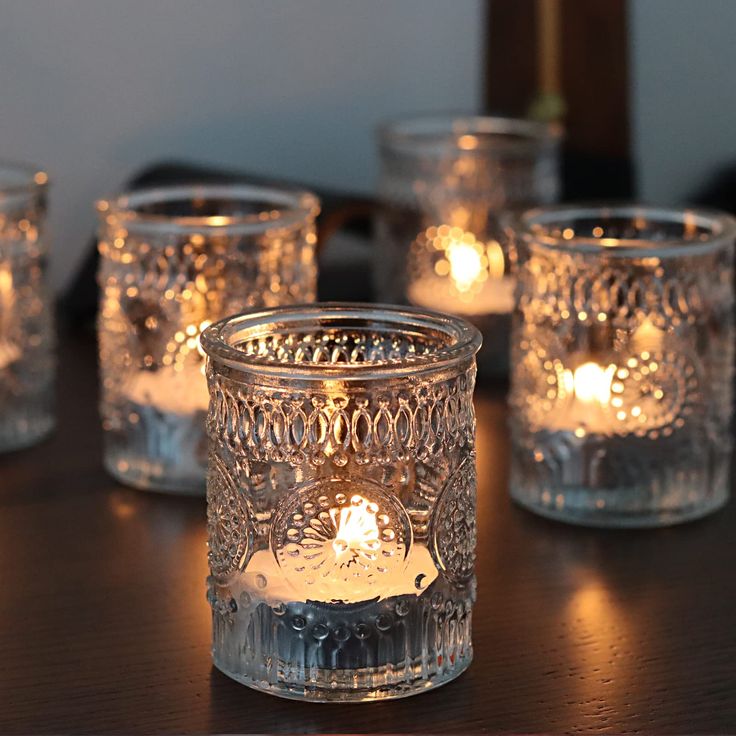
(577, 52)
(720, 191)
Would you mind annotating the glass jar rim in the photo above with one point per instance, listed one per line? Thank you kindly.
(422, 133)
(220, 340)
(288, 208)
(719, 230)
(19, 181)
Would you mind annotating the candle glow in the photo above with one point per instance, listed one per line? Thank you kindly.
(468, 277)
(9, 351)
(590, 383)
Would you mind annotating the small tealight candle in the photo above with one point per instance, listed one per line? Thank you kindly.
(173, 260)
(622, 364)
(460, 275)
(446, 184)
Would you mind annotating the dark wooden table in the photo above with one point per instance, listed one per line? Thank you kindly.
(104, 626)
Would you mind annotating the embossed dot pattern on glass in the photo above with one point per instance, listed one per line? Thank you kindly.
(173, 260)
(623, 364)
(27, 337)
(445, 183)
(341, 499)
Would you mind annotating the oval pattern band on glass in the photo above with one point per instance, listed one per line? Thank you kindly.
(341, 499)
(622, 355)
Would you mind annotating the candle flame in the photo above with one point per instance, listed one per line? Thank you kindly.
(356, 531)
(590, 383)
(465, 264)
(471, 262)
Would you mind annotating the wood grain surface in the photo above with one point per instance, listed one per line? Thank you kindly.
(104, 626)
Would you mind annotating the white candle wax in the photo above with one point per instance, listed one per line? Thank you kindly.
(174, 391)
(468, 279)
(495, 296)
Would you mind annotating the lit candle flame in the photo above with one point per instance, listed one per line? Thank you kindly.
(356, 531)
(471, 263)
(590, 383)
(468, 276)
(465, 264)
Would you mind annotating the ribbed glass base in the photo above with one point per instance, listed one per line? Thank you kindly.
(376, 650)
(416, 683)
(626, 482)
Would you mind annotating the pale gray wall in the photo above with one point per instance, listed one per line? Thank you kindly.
(684, 93)
(93, 89)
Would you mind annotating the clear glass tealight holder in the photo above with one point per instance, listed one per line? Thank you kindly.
(341, 499)
(622, 359)
(446, 185)
(173, 260)
(27, 337)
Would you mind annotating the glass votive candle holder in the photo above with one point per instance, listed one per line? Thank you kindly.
(341, 499)
(27, 338)
(622, 364)
(445, 185)
(173, 260)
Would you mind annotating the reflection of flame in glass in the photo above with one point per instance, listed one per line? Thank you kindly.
(648, 337)
(7, 300)
(9, 351)
(218, 220)
(590, 382)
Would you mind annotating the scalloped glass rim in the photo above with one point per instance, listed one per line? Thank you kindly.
(719, 227)
(288, 208)
(220, 340)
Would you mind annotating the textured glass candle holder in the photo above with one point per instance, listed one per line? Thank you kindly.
(172, 261)
(445, 184)
(27, 340)
(622, 364)
(341, 500)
